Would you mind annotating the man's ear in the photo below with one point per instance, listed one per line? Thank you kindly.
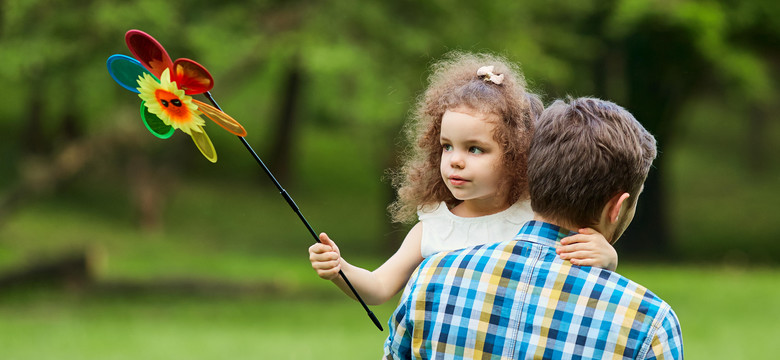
(614, 205)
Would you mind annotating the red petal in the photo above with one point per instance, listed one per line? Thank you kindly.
(191, 77)
(148, 51)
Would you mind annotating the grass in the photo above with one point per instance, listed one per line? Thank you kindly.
(95, 326)
(726, 313)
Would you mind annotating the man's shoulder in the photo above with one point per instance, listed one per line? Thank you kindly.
(636, 308)
(624, 313)
(617, 294)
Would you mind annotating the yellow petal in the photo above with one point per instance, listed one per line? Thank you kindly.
(204, 144)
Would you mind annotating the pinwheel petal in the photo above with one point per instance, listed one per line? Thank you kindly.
(192, 77)
(154, 124)
(222, 119)
(148, 51)
(125, 71)
(204, 144)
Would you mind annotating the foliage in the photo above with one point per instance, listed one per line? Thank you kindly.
(363, 63)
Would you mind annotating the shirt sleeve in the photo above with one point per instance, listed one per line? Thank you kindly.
(667, 340)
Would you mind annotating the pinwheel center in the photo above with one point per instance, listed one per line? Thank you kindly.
(172, 105)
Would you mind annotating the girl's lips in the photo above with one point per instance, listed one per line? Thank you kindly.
(454, 180)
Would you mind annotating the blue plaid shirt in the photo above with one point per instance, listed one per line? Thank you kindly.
(518, 300)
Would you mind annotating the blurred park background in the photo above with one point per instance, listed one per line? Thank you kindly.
(117, 245)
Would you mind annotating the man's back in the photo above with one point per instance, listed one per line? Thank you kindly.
(519, 300)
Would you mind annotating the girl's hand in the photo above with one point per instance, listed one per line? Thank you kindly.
(588, 248)
(325, 258)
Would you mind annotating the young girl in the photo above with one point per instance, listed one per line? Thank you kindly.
(465, 179)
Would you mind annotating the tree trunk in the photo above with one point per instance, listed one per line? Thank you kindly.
(285, 123)
(35, 141)
(662, 70)
(757, 139)
(149, 186)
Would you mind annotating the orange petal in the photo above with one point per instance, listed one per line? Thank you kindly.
(222, 119)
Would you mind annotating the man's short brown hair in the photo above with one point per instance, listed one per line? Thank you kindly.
(582, 154)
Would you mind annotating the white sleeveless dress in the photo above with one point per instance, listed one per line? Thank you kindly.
(444, 231)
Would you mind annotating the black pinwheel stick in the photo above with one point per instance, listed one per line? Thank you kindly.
(297, 210)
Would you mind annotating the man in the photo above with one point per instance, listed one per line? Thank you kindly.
(517, 299)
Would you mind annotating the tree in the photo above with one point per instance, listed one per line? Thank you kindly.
(670, 55)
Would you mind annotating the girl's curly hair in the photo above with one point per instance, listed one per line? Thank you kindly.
(454, 83)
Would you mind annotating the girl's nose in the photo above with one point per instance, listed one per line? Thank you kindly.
(456, 160)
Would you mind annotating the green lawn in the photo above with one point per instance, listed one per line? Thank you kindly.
(53, 326)
(726, 313)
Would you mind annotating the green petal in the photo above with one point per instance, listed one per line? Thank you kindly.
(154, 124)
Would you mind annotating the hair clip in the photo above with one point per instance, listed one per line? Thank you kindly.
(486, 72)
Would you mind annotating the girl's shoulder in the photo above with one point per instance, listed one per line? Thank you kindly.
(442, 230)
(433, 210)
(518, 213)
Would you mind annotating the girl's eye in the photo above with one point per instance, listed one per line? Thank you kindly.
(475, 150)
(446, 147)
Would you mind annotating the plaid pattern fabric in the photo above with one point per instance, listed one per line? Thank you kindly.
(519, 300)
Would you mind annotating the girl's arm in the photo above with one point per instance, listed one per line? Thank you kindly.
(375, 287)
(588, 248)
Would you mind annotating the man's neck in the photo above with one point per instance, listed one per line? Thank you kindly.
(562, 224)
(571, 226)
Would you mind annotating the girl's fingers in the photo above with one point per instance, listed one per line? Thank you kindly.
(326, 241)
(583, 262)
(572, 248)
(329, 274)
(325, 265)
(322, 257)
(325, 258)
(574, 239)
(320, 248)
(584, 235)
(580, 254)
(319, 251)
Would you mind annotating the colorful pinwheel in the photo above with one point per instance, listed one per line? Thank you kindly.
(164, 87)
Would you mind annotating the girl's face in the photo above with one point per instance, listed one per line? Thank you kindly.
(470, 156)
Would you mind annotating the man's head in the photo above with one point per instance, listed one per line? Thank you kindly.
(587, 165)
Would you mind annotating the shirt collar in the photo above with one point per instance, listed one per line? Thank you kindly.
(542, 233)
